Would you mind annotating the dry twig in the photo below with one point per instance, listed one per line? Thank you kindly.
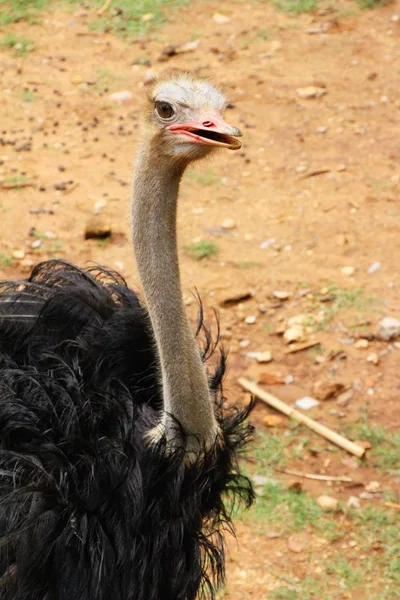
(284, 408)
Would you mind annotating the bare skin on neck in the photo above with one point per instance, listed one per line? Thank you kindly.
(173, 137)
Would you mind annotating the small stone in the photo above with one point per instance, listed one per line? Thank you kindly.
(267, 243)
(221, 19)
(361, 344)
(36, 244)
(306, 403)
(373, 487)
(147, 17)
(327, 390)
(300, 320)
(288, 379)
(327, 503)
(76, 80)
(353, 502)
(388, 328)
(98, 206)
(228, 224)
(374, 267)
(263, 480)
(295, 543)
(123, 97)
(344, 398)
(250, 320)
(348, 271)
(236, 297)
(281, 295)
(373, 358)
(244, 343)
(273, 421)
(367, 496)
(270, 379)
(18, 254)
(294, 334)
(97, 228)
(311, 91)
(264, 357)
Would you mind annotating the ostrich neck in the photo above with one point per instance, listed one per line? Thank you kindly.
(184, 381)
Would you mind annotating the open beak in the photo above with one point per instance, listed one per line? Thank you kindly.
(210, 129)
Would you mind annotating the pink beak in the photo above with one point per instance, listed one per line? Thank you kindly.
(209, 129)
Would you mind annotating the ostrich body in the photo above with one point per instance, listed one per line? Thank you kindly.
(115, 457)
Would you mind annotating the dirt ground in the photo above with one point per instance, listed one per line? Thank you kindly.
(315, 190)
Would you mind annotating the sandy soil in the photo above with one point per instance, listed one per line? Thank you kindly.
(315, 189)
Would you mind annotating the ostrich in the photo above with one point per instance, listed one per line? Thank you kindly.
(118, 466)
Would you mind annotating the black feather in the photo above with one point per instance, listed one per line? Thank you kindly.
(88, 509)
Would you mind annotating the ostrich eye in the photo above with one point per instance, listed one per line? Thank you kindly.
(164, 110)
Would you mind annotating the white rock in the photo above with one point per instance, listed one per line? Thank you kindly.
(264, 357)
(18, 254)
(348, 271)
(250, 320)
(244, 343)
(228, 224)
(123, 97)
(281, 295)
(294, 334)
(267, 243)
(374, 267)
(221, 19)
(306, 402)
(288, 379)
(361, 344)
(327, 503)
(389, 328)
(311, 91)
(299, 320)
(373, 487)
(373, 358)
(353, 502)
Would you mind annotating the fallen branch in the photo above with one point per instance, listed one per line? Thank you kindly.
(284, 408)
(343, 478)
(301, 346)
(105, 6)
(16, 186)
(392, 505)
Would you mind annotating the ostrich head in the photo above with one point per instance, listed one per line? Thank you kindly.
(184, 118)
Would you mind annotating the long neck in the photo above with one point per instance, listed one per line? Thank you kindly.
(184, 381)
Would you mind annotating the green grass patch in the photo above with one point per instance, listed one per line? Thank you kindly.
(351, 300)
(374, 3)
(125, 17)
(202, 249)
(14, 11)
(18, 44)
(5, 260)
(15, 181)
(385, 451)
(28, 97)
(296, 6)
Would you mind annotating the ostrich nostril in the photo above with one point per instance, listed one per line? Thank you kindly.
(208, 124)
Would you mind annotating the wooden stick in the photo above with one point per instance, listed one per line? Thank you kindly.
(105, 6)
(392, 505)
(284, 408)
(315, 476)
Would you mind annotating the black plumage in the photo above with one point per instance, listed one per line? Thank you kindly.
(88, 509)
